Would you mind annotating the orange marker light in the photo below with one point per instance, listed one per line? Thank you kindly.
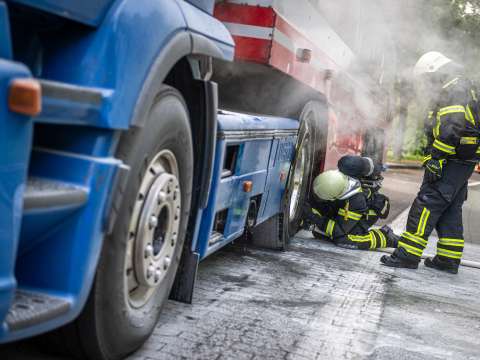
(25, 97)
(247, 186)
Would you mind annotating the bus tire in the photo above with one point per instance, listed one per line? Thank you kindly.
(140, 258)
(271, 234)
(308, 161)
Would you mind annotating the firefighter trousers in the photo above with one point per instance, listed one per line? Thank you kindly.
(352, 233)
(438, 205)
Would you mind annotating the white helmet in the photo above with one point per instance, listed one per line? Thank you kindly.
(430, 63)
(333, 185)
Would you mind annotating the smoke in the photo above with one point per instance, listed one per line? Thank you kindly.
(387, 37)
(374, 42)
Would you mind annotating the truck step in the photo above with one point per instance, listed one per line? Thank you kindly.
(43, 193)
(30, 308)
(215, 238)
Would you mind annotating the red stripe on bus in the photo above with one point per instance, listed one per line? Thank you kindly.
(250, 49)
(245, 14)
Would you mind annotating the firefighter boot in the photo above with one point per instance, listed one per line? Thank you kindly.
(447, 265)
(392, 238)
(399, 259)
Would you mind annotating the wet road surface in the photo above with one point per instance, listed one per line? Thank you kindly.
(317, 301)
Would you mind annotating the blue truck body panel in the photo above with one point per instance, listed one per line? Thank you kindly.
(112, 57)
(90, 12)
(266, 146)
(15, 147)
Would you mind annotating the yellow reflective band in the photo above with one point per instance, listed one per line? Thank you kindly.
(349, 214)
(315, 211)
(422, 223)
(450, 110)
(373, 241)
(418, 240)
(359, 238)
(430, 114)
(449, 253)
(372, 213)
(436, 129)
(451, 242)
(469, 115)
(410, 249)
(426, 158)
(330, 227)
(451, 82)
(383, 239)
(468, 140)
(444, 147)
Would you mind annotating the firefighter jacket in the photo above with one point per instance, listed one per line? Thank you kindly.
(350, 219)
(452, 127)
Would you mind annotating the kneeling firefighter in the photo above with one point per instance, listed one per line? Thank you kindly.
(345, 204)
(452, 129)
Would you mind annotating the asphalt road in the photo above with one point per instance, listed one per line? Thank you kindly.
(317, 301)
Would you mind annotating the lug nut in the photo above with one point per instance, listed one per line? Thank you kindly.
(157, 275)
(153, 222)
(150, 271)
(148, 251)
(162, 197)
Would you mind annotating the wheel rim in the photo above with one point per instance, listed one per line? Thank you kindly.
(298, 174)
(153, 229)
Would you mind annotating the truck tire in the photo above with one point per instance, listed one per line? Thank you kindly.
(308, 161)
(140, 258)
(276, 232)
(272, 233)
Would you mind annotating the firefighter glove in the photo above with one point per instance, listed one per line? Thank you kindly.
(381, 205)
(433, 169)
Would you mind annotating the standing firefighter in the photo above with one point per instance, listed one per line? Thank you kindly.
(346, 203)
(451, 154)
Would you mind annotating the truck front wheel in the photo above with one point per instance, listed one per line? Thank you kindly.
(140, 258)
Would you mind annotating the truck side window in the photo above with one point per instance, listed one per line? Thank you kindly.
(230, 160)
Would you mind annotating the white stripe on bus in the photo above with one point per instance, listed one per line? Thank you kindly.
(252, 31)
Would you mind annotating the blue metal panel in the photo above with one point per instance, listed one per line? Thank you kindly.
(90, 12)
(281, 156)
(231, 121)
(204, 24)
(15, 146)
(262, 158)
(5, 40)
(120, 54)
(206, 223)
(62, 110)
(70, 250)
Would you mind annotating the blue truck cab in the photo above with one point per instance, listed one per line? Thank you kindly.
(128, 175)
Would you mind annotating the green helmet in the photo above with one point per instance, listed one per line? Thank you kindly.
(333, 185)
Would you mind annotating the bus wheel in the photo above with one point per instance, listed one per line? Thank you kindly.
(307, 163)
(140, 258)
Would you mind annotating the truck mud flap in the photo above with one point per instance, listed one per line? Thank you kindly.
(182, 289)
